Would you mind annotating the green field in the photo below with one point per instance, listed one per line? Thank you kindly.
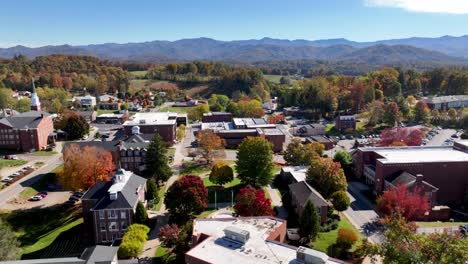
(138, 74)
(326, 239)
(190, 167)
(180, 110)
(103, 111)
(208, 183)
(44, 153)
(11, 163)
(440, 224)
(161, 191)
(36, 187)
(206, 213)
(272, 78)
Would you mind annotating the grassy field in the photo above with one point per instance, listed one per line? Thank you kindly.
(44, 153)
(104, 111)
(162, 256)
(440, 224)
(180, 110)
(191, 167)
(206, 213)
(138, 74)
(208, 183)
(161, 191)
(11, 163)
(272, 78)
(326, 239)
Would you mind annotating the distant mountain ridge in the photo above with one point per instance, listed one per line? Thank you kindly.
(443, 50)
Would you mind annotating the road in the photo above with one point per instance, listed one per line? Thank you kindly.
(439, 139)
(361, 213)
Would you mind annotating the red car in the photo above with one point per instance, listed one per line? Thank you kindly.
(42, 194)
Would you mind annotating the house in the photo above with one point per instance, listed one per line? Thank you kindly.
(109, 207)
(446, 102)
(27, 131)
(133, 153)
(91, 255)
(89, 116)
(109, 102)
(86, 101)
(443, 167)
(412, 182)
(309, 130)
(326, 142)
(344, 122)
(247, 240)
(301, 191)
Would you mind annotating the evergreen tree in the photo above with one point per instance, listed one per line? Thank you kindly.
(157, 161)
(141, 216)
(152, 191)
(309, 224)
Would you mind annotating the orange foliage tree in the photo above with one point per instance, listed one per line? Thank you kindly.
(83, 167)
(209, 142)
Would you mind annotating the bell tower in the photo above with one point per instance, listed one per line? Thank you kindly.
(35, 104)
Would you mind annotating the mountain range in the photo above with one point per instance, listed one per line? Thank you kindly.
(443, 50)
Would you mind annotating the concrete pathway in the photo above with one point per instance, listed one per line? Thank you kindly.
(277, 201)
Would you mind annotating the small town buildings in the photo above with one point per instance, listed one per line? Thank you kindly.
(446, 102)
(247, 240)
(111, 118)
(234, 132)
(344, 122)
(301, 192)
(109, 102)
(214, 117)
(91, 255)
(443, 169)
(86, 101)
(162, 123)
(133, 153)
(326, 142)
(109, 207)
(89, 116)
(309, 130)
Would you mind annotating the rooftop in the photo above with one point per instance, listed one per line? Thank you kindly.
(304, 192)
(419, 154)
(272, 131)
(258, 249)
(297, 172)
(24, 120)
(445, 99)
(152, 118)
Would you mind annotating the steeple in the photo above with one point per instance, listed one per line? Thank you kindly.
(35, 104)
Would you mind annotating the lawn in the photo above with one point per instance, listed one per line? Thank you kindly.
(11, 163)
(139, 74)
(208, 183)
(44, 153)
(190, 167)
(162, 256)
(206, 213)
(440, 224)
(180, 110)
(273, 78)
(161, 191)
(37, 186)
(171, 151)
(326, 239)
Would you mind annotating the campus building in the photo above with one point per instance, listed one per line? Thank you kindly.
(109, 207)
(234, 132)
(247, 240)
(27, 131)
(344, 122)
(446, 102)
(440, 170)
(149, 124)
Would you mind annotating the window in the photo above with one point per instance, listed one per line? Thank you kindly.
(103, 227)
(101, 214)
(112, 226)
(123, 215)
(112, 214)
(124, 226)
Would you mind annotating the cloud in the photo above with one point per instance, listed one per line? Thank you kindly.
(459, 7)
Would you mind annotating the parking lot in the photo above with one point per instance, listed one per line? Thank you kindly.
(52, 198)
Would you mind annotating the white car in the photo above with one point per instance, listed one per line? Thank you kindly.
(36, 198)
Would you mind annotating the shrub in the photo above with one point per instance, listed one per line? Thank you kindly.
(346, 238)
(133, 241)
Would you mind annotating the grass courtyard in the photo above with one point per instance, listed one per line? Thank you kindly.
(327, 239)
(11, 163)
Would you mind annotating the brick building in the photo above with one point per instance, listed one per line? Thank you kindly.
(247, 240)
(217, 117)
(133, 153)
(443, 167)
(345, 122)
(109, 207)
(161, 123)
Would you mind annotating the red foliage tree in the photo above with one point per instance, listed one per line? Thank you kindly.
(411, 204)
(252, 202)
(275, 119)
(169, 235)
(187, 196)
(408, 136)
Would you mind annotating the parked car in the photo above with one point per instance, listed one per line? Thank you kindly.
(7, 180)
(35, 198)
(42, 194)
(10, 157)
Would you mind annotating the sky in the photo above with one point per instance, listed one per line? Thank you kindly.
(53, 22)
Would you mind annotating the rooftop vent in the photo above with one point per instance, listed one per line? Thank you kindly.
(236, 234)
(136, 129)
(310, 256)
(142, 121)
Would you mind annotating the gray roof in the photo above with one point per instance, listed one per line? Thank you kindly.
(85, 113)
(24, 120)
(445, 99)
(134, 142)
(99, 255)
(405, 178)
(47, 261)
(304, 192)
(9, 112)
(126, 198)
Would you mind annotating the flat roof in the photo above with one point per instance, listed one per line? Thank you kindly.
(419, 154)
(152, 118)
(445, 99)
(273, 131)
(298, 172)
(257, 249)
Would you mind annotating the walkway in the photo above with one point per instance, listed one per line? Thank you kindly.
(276, 201)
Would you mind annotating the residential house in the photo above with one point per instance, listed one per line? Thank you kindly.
(86, 101)
(109, 102)
(344, 122)
(89, 116)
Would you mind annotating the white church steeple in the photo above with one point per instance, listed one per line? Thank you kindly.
(35, 104)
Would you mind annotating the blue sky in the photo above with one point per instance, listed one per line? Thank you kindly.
(43, 22)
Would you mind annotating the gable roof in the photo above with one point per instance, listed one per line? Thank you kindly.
(25, 120)
(304, 192)
(406, 178)
(99, 254)
(134, 142)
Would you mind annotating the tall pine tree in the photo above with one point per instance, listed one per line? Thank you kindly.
(309, 224)
(157, 161)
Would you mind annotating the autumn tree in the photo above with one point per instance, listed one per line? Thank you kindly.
(157, 161)
(340, 200)
(75, 125)
(309, 224)
(326, 176)
(452, 114)
(133, 241)
(186, 197)
(422, 112)
(391, 114)
(276, 119)
(255, 161)
(252, 202)
(197, 112)
(176, 238)
(181, 132)
(209, 142)
(376, 112)
(407, 136)
(221, 173)
(346, 238)
(83, 167)
(411, 204)
(298, 154)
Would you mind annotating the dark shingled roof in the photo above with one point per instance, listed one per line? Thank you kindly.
(304, 192)
(111, 146)
(24, 120)
(97, 191)
(99, 254)
(135, 142)
(406, 178)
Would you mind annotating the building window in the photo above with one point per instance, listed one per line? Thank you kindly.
(112, 226)
(124, 226)
(112, 214)
(103, 227)
(101, 214)
(123, 215)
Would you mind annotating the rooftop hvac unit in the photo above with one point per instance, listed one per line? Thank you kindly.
(310, 256)
(136, 130)
(142, 121)
(236, 234)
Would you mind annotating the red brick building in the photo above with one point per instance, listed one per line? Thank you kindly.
(345, 122)
(443, 167)
(109, 207)
(217, 117)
